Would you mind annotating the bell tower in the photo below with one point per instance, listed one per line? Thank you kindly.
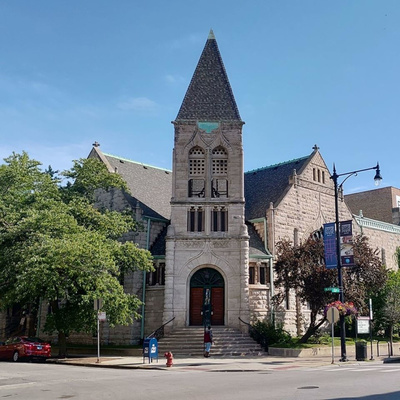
(207, 244)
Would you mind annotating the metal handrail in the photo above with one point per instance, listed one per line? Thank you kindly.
(159, 332)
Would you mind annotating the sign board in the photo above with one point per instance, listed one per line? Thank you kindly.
(346, 243)
(102, 316)
(332, 315)
(332, 289)
(362, 325)
(98, 304)
(330, 245)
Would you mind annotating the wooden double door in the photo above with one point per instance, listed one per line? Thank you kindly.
(207, 297)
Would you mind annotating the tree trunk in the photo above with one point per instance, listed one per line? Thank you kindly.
(62, 343)
(311, 330)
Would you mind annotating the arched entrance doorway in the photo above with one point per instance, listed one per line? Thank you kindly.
(206, 298)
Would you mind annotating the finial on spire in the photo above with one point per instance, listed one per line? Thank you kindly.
(211, 35)
(315, 147)
(96, 144)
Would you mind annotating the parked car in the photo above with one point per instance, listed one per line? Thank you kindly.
(24, 347)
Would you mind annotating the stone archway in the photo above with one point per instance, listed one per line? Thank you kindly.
(207, 298)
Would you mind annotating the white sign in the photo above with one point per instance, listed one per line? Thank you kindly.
(102, 316)
(363, 325)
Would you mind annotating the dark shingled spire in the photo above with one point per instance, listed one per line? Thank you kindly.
(209, 96)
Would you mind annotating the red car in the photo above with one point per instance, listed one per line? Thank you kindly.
(24, 347)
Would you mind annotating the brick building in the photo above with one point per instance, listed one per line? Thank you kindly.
(381, 204)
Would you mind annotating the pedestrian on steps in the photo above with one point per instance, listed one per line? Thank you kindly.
(208, 341)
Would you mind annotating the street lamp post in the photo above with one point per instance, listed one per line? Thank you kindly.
(337, 187)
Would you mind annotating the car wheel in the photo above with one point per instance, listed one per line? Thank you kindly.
(15, 357)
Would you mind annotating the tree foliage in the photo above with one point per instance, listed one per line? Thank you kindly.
(387, 305)
(57, 247)
(302, 269)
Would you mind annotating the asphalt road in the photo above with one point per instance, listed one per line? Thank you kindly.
(43, 381)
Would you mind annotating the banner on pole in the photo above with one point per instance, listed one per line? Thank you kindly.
(346, 243)
(330, 245)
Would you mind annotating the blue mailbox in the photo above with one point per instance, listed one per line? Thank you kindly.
(150, 349)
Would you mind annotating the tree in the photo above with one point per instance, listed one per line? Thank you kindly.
(302, 268)
(387, 305)
(57, 247)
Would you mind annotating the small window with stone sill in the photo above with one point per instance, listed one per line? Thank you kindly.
(156, 277)
(195, 219)
(219, 219)
(259, 274)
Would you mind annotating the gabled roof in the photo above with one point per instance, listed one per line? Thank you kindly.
(209, 96)
(149, 185)
(265, 185)
(256, 245)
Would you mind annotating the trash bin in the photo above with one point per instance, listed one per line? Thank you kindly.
(361, 351)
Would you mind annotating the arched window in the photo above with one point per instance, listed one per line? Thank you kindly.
(219, 182)
(197, 167)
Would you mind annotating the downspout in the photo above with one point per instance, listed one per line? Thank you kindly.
(144, 282)
(271, 262)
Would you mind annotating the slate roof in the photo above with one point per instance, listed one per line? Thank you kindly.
(256, 245)
(209, 96)
(151, 186)
(265, 185)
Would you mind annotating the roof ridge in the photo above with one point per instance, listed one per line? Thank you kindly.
(277, 165)
(136, 162)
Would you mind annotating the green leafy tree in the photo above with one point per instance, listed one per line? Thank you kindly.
(302, 268)
(387, 306)
(57, 247)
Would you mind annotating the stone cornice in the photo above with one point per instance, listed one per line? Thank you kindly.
(377, 225)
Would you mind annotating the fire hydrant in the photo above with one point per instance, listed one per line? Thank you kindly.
(170, 358)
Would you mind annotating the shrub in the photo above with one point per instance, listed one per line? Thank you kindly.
(267, 334)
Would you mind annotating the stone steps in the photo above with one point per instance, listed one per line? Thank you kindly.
(227, 342)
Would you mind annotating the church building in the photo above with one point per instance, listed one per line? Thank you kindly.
(211, 227)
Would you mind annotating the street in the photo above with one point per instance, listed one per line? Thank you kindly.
(42, 381)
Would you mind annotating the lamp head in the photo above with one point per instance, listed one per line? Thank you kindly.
(378, 176)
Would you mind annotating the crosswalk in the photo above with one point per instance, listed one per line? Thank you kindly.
(380, 368)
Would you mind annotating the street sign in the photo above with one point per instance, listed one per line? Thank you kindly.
(98, 304)
(102, 316)
(332, 289)
(332, 315)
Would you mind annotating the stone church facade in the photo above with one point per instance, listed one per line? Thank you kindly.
(212, 228)
(214, 242)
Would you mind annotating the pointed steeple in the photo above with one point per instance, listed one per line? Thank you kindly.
(209, 96)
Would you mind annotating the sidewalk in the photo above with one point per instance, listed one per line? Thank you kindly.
(220, 364)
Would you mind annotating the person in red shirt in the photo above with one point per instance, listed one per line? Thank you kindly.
(208, 341)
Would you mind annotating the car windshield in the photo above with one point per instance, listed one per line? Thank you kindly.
(33, 339)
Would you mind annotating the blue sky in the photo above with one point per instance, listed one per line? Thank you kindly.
(302, 72)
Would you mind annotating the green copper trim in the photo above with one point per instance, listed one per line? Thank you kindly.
(208, 126)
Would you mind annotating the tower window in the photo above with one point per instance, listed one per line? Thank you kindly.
(197, 161)
(219, 219)
(196, 188)
(219, 188)
(196, 219)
